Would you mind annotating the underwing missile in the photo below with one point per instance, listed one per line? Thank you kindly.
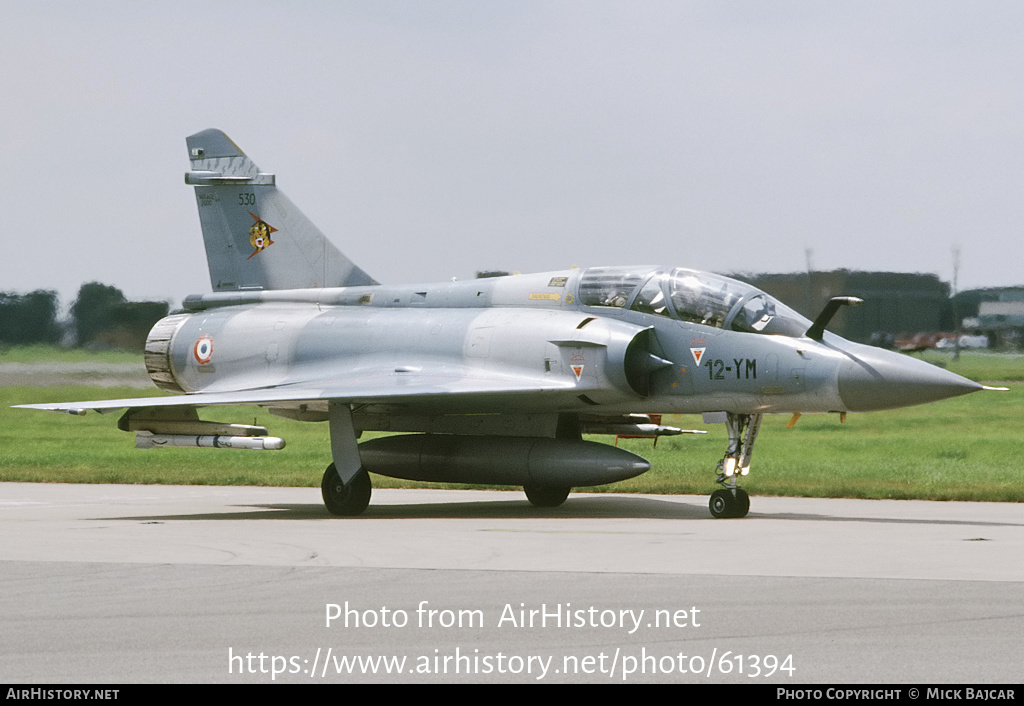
(146, 440)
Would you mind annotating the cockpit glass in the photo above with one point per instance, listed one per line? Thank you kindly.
(763, 314)
(704, 298)
(723, 302)
(652, 299)
(691, 295)
(610, 286)
(755, 314)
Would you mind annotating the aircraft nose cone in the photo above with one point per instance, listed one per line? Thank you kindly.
(874, 378)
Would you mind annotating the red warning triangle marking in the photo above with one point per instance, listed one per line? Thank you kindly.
(578, 370)
(698, 353)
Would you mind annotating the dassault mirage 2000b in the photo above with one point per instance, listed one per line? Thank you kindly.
(490, 380)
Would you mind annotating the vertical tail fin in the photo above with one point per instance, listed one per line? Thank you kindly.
(255, 237)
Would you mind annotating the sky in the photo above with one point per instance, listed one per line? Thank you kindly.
(430, 139)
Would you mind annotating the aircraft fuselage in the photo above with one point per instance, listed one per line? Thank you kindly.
(500, 378)
(587, 359)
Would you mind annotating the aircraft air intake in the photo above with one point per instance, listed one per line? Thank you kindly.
(642, 362)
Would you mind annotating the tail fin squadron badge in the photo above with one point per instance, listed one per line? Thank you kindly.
(259, 234)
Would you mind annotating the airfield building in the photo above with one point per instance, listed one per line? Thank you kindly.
(895, 303)
(1001, 320)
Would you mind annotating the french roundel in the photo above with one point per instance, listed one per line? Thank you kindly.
(203, 350)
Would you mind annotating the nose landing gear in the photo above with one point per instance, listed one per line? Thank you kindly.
(731, 501)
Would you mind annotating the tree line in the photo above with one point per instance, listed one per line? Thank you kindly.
(100, 315)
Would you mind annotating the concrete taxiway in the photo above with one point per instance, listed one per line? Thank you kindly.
(108, 583)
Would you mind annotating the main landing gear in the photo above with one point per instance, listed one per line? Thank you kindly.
(341, 498)
(345, 500)
(731, 500)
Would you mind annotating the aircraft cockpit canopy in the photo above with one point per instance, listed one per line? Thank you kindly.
(690, 295)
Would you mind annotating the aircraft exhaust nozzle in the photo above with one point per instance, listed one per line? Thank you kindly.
(875, 379)
(501, 460)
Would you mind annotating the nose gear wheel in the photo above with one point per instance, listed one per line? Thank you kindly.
(729, 503)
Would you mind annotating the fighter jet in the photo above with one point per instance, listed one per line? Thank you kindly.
(485, 381)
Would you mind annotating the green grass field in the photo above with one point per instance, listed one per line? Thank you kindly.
(968, 448)
(54, 354)
(978, 365)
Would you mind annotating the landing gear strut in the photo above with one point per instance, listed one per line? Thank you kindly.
(731, 500)
(344, 498)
